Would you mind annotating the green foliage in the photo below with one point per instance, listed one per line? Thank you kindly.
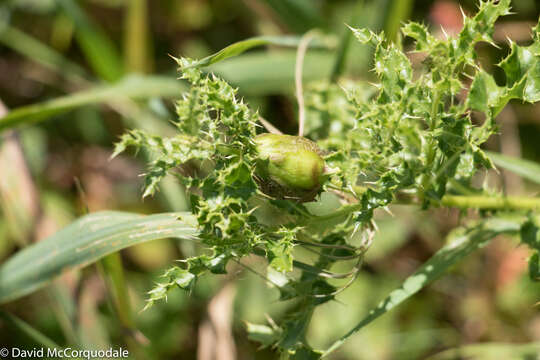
(83, 242)
(413, 133)
(244, 45)
(525, 168)
(131, 87)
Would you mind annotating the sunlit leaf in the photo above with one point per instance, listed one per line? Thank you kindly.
(82, 243)
(100, 51)
(132, 87)
(241, 46)
(525, 168)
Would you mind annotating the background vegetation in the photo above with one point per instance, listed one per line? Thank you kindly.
(74, 75)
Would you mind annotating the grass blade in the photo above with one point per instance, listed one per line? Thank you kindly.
(98, 48)
(37, 336)
(525, 168)
(137, 47)
(40, 52)
(83, 242)
(461, 243)
(133, 87)
(345, 43)
(398, 12)
(264, 74)
(241, 46)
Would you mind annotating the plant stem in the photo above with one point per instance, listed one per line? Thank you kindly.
(113, 273)
(481, 202)
(490, 202)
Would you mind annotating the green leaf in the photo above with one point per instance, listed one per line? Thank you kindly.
(485, 94)
(460, 243)
(100, 51)
(522, 69)
(82, 243)
(419, 32)
(490, 351)
(263, 334)
(280, 256)
(252, 74)
(241, 46)
(40, 52)
(38, 337)
(131, 87)
(525, 168)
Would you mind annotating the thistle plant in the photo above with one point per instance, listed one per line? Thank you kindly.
(415, 136)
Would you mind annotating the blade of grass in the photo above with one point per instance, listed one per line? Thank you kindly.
(252, 74)
(460, 243)
(99, 50)
(398, 12)
(84, 242)
(344, 44)
(64, 307)
(241, 46)
(132, 87)
(41, 53)
(525, 168)
(34, 334)
(112, 271)
(137, 38)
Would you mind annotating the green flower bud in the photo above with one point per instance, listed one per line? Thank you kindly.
(291, 166)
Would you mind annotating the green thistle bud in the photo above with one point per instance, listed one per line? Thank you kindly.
(291, 166)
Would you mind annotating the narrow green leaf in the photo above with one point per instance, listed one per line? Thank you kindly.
(38, 337)
(345, 43)
(35, 335)
(82, 243)
(39, 52)
(98, 48)
(137, 43)
(241, 46)
(525, 168)
(133, 87)
(398, 12)
(252, 74)
(460, 243)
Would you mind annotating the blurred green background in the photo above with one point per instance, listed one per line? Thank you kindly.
(108, 50)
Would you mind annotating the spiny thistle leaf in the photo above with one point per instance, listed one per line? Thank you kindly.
(412, 131)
